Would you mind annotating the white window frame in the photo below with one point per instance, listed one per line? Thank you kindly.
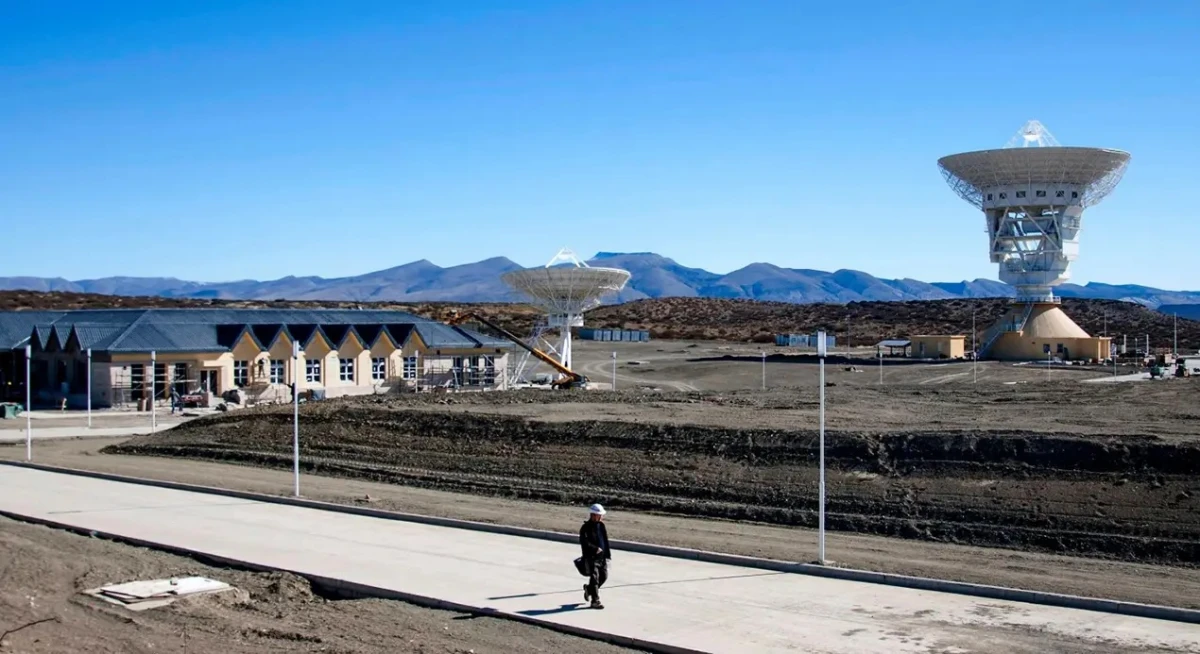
(312, 371)
(278, 371)
(474, 372)
(241, 374)
(378, 368)
(409, 370)
(489, 370)
(346, 369)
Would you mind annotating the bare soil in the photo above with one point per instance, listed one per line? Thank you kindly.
(43, 571)
(1110, 471)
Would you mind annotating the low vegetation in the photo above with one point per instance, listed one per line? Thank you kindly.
(718, 319)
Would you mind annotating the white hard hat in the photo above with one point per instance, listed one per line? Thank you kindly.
(597, 509)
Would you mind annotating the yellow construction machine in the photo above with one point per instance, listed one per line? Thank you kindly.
(567, 378)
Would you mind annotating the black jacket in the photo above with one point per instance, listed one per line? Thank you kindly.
(592, 535)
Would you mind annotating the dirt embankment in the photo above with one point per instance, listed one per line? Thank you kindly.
(45, 570)
(1133, 498)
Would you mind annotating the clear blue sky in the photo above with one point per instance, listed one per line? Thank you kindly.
(220, 140)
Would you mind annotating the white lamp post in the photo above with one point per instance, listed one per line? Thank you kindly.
(296, 418)
(153, 390)
(89, 387)
(28, 405)
(821, 351)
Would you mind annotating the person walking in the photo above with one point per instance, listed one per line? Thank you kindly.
(593, 540)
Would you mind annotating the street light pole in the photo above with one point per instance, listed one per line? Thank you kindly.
(764, 370)
(974, 350)
(89, 387)
(28, 405)
(153, 390)
(614, 371)
(821, 351)
(296, 418)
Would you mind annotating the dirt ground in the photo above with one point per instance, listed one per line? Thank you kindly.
(724, 367)
(1155, 584)
(44, 570)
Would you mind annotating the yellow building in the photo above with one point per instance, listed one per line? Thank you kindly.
(937, 347)
(207, 352)
(1031, 332)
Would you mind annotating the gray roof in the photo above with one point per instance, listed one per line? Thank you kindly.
(894, 343)
(216, 330)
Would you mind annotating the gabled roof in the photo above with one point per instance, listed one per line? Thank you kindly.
(95, 337)
(438, 335)
(16, 326)
(167, 338)
(215, 330)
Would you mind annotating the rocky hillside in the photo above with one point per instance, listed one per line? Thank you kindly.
(718, 319)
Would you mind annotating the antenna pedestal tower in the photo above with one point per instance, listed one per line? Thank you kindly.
(564, 288)
(1033, 193)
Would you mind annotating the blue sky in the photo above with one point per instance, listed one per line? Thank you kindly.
(224, 140)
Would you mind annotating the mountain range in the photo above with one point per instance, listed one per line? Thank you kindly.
(654, 276)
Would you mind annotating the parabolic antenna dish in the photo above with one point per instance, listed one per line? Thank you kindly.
(566, 286)
(1096, 171)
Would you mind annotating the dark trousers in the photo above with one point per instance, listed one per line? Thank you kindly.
(597, 575)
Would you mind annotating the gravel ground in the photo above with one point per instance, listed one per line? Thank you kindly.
(44, 570)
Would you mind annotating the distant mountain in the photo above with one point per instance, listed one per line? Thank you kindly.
(654, 276)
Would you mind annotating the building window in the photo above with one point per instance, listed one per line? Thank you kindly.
(1003, 196)
(276, 371)
(1059, 348)
(474, 374)
(456, 368)
(489, 370)
(312, 371)
(1040, 194)
(989, 197)
(346, 368)
(160, 381)
(410, 368)
(1074, 194)
(1060, 194)
(241, 373)
(378, 368)
(179, 378)
(1020, 194)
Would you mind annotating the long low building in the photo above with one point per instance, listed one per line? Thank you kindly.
(212, 351)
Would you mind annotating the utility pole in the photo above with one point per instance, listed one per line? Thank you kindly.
(1175, 335)
(614, 371)
(974, 350)
(764, 370)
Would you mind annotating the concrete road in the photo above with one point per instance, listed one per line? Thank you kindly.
(698, 606)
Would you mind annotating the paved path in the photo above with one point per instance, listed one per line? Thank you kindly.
(16, 433)
(700, 606)
(1135, 377)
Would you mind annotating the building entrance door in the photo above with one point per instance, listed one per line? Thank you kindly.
(210, 381)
